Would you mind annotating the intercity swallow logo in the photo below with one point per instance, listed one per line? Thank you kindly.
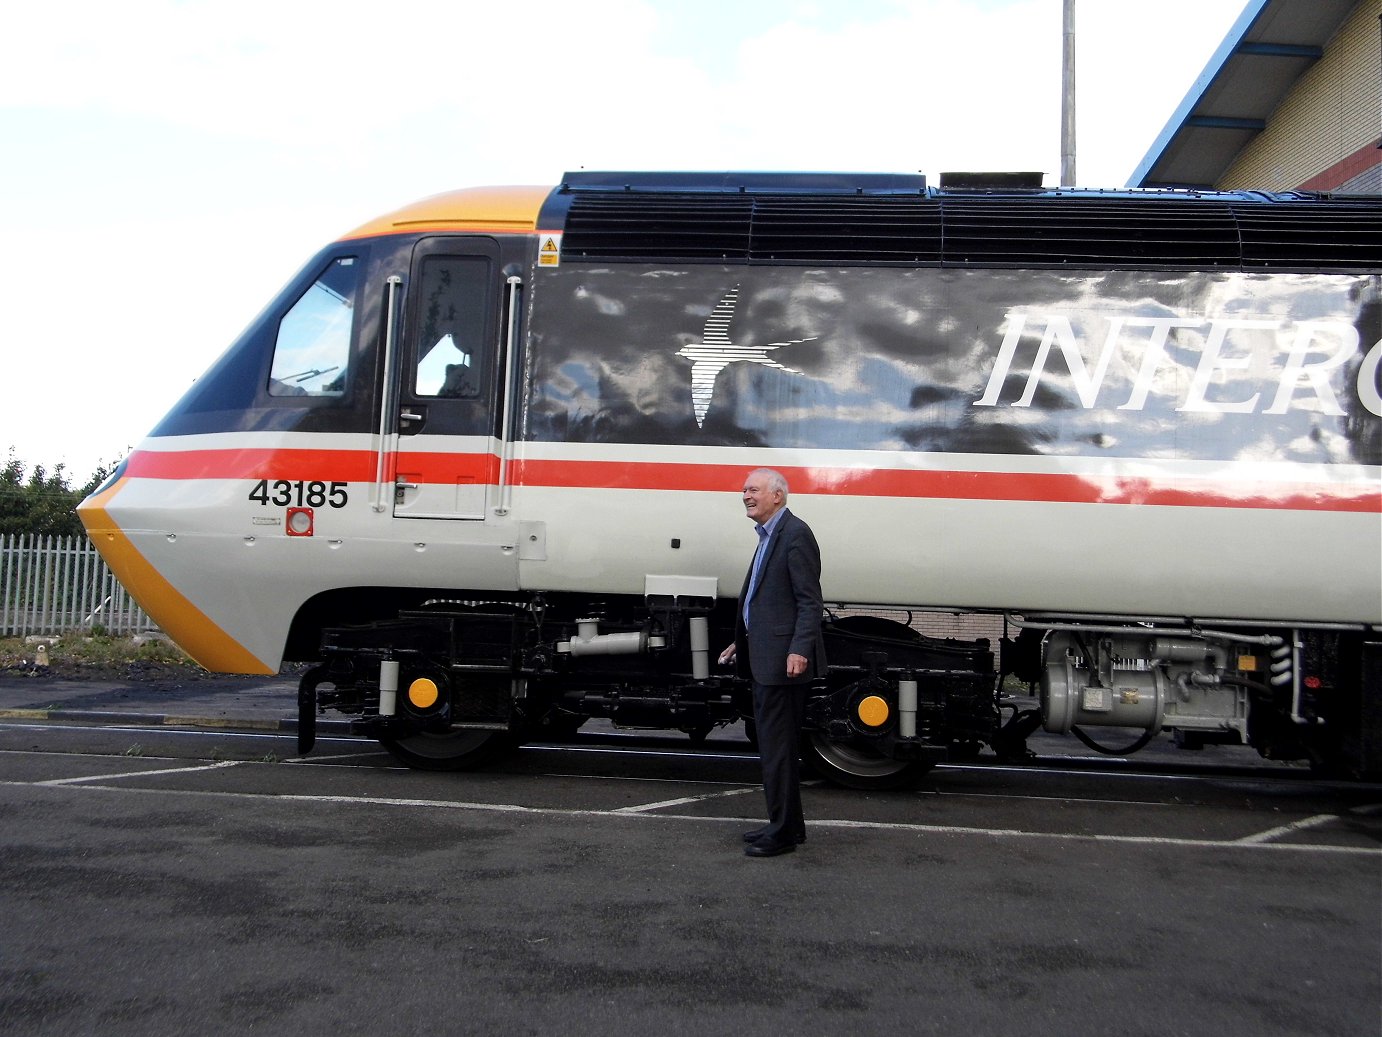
(715, 351)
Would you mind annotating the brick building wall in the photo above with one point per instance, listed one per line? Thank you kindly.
(1324, 135)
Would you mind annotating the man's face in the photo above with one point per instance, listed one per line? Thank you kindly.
(760, 503)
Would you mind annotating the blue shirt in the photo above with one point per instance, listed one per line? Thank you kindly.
(765, 532)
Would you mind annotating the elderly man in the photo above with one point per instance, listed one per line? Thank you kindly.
(778, 632)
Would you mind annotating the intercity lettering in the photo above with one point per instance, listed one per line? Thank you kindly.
(1316, 350)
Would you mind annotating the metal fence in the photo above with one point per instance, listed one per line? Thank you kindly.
(52, 584)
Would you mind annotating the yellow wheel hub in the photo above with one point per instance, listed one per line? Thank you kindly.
(873, 711)
(423, 693)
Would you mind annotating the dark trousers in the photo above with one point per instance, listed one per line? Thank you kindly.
(778, 713)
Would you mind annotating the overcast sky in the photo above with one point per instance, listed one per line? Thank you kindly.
(169, 164)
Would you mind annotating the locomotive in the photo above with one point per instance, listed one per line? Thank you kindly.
(475, 465)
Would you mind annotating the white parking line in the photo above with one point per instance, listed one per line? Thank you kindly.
(643, 807)
(644, 815)
(338, 756)
(140, 774)
(638, 778)
(1294, 826)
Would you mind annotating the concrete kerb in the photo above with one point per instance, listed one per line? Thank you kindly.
(119, 719)
(214, 703)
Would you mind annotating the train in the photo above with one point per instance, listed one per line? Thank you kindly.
(475, 471)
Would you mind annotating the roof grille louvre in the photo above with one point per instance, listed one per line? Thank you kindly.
(972, 229)
(1346, 235)
(1078, 231)
(630, 226)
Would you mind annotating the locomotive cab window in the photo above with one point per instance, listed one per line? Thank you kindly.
(313, 344)
(452, 323)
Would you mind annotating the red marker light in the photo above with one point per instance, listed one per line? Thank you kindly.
(298, 522)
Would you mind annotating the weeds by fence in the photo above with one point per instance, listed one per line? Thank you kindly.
(55, 584)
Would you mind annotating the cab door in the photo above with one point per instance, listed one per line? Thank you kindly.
(447, 460)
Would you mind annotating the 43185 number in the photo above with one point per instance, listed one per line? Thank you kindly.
(283, 492)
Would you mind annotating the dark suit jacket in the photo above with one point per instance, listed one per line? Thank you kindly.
(785, 613)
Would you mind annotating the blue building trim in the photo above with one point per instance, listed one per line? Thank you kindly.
(1215, 66)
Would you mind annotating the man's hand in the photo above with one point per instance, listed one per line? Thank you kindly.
(796, 665)
(727, 656)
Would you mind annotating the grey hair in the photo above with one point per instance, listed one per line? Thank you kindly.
(775, 479)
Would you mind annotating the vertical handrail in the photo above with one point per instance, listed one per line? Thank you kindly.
(515, 284)
(386, 401)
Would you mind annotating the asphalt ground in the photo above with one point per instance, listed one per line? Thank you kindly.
(193, 875)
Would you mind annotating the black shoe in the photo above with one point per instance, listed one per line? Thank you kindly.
(768, 849)
(759, 833)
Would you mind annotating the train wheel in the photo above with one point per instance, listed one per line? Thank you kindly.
(453, 750)
(855, 767)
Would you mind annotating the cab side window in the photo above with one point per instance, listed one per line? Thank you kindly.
(450, 351)
(312, 349)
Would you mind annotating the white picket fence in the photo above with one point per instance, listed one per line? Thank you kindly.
(52, 585)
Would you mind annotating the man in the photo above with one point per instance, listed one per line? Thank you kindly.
(778, 633)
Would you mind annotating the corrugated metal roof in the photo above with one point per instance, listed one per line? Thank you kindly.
(1268, 49)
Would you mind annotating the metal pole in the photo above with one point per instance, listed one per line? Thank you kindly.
(1067, 105)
